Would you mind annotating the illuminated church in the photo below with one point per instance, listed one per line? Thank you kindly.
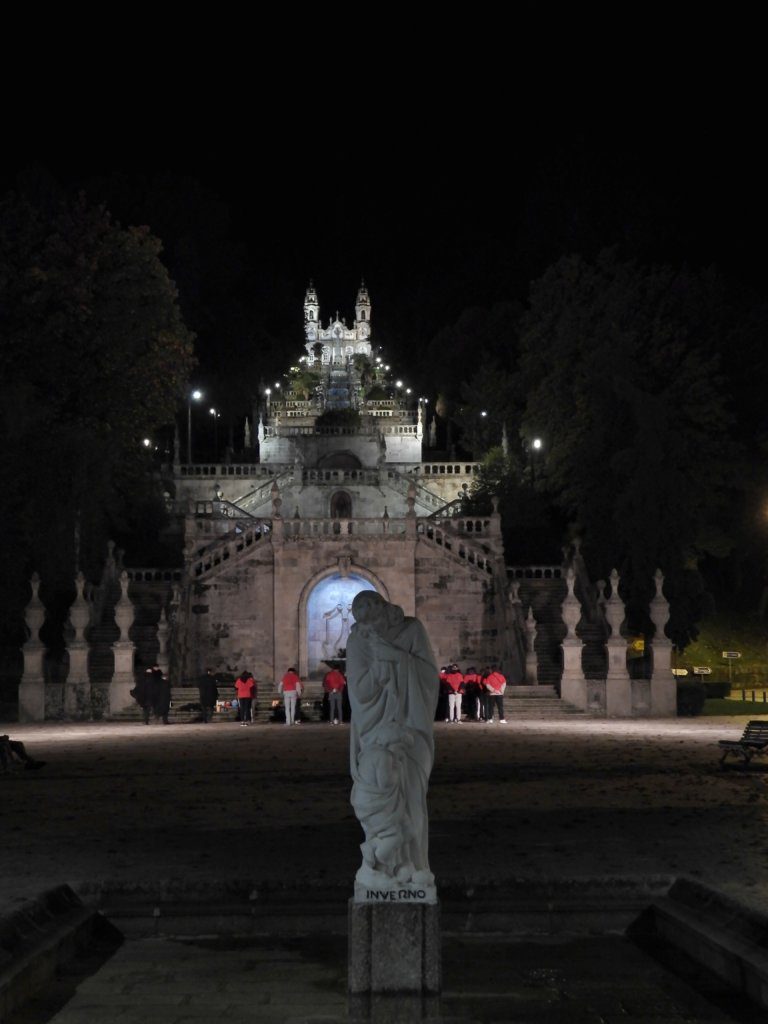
(346, 492)
(344, 498)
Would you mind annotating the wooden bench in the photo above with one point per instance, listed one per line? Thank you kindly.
(754, 743)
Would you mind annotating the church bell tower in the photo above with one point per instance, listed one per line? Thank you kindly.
(311, 313)
(363, 312)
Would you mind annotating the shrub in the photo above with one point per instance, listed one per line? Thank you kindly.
(690, 699)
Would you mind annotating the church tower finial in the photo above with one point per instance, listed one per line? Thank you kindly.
(362, 306)
(311, 313)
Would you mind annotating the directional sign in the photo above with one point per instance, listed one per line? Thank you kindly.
(702, 670)
(679, 671)
(731, 654)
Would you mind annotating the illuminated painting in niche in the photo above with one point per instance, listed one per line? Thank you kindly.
(329, 617)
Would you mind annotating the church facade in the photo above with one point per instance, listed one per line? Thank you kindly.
(345, 492)
(337, 504)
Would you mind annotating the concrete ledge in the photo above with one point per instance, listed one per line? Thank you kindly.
(37, 938)
(243, 907)
(715, 932)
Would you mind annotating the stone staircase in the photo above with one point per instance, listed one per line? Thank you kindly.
(546, 596)
(537, 703)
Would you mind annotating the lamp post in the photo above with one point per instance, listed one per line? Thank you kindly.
(536, 446)
(215, 413)
(196, 396)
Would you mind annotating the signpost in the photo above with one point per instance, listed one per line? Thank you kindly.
(731, 656)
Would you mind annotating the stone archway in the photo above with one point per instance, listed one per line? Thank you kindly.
(325, 616)
(341, 505)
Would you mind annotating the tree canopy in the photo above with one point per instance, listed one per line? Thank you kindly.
(94, 359)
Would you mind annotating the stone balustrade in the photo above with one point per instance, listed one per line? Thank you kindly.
(225, 469)
(149, 575)
(229, 546)
(311, 431)
(298, 529)
(447, 469)
(337, 476)
(535, 572)
(461, 547)
(409, 429)
(472, 524)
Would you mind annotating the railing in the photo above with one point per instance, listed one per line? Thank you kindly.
(448, 468)
(361, 476)
(144, 575)
(263, 492)
(423, 495)
(400, 428)
(299, 529)
(224, 469)
(460, 548)
(535, 572)
(229, 546)
(305, 431)
(221, 510)
(476, 525)
(448, 511)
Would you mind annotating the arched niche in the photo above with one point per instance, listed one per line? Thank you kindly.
(341, 505)
(325, 616)
(339, 460)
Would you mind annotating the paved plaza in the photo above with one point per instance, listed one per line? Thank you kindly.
(576, 798)
(124, 804)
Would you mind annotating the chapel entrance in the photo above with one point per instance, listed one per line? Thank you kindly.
(341, 505)
(329, 619)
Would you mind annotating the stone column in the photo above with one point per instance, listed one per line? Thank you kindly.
(618, 686)
(663, 683)
(531, 658)
(77, 689)
(32, 686)
(573, 686)
(163, 629)
(123, 679)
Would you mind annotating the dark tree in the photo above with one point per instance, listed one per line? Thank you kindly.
(95, 357)
(623, 383)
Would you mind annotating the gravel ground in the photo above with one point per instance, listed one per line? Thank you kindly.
(575, 798)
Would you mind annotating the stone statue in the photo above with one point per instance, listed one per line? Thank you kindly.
(331, 647)
(393, 689)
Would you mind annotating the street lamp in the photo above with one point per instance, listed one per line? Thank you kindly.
(196, 396)
(215, 414)
(536, 445)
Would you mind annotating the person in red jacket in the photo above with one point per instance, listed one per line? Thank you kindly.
(455, 682)
(495, 685)
(245, 685)
(333, 684)
(291, 689)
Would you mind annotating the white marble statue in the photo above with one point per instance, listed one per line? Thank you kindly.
(393, 689)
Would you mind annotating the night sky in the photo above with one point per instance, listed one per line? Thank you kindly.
(446, 181)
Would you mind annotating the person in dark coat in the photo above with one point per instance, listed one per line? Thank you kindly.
(14, 752)
(156, 694)
(209, 694)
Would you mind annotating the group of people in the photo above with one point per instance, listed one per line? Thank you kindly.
(482, 691)
(475, 694)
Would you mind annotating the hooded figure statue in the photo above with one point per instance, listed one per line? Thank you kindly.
(393, 690)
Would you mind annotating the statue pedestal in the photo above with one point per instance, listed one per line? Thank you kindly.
(618, 686)
(394, 946)
(573, 685)
(123, 679)
(32, 686)
(663, 683)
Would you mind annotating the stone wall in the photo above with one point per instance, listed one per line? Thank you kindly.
(457, 605)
